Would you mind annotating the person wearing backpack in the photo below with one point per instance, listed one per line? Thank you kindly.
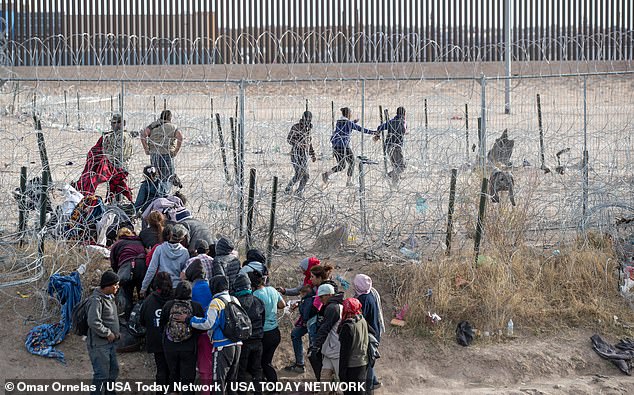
(301, 146)
(271, 338)
(226, 261)
(354, 339)
(150, 318)
(327, 337)
(103, 332)
(251, 351)
(179, 338)
(226, 351)
(372, 312)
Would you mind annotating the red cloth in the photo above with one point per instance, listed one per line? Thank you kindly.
(351, 308)
(97, 170)
(312, 261)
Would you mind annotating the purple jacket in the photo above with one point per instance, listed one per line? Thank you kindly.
(125, 249)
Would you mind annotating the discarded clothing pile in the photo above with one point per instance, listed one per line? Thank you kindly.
(621, 354)
(41, 339)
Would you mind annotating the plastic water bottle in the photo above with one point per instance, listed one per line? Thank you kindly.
(509, 328)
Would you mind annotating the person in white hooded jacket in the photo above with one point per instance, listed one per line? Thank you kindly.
(170, 257)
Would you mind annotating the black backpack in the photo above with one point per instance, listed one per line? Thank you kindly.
(237, 323)
(134, 322)
(80, 317)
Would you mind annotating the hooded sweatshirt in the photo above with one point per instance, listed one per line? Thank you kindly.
(150, 317)
(341, 135)
(168, 257)
(305, 264)
(226, 263)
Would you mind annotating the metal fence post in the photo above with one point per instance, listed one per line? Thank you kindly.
(483, 127)
(507, 56)
(585, 149)
(362, 115)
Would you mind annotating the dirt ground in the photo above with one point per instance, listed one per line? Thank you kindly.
(555, 363)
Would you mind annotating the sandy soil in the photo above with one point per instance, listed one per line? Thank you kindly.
(556, 363)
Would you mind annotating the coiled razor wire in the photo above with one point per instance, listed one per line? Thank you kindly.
(413, 214)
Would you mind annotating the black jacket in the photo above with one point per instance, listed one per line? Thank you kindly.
(149, 237)
(150, 318)
(225, 263)
(329, 315)
(187, 345)
(255, 310)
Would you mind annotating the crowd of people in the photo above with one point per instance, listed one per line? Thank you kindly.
(184, 309)
(206, 314)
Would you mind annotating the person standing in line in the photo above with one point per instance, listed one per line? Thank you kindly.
(396, 129)
(327, 337)
(271, 339)
(301, 147)
(201, 293)
(372, 311)
(180, 353)
(150, 316)
(341, 149)
(103, 332)
(226, 353)
(250, 365)
(169, 257)
(162, 140)
(354, 339)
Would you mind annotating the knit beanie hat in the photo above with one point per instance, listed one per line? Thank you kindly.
(255, 255)
(362, 284)
(241, 282)
(108, 278)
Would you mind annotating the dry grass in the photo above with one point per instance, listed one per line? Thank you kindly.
(541, 290)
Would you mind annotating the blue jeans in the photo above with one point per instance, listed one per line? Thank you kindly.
(164, 165)
(298, 345)
(104, 365)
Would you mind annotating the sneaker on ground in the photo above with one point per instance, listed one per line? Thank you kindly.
(295, 368)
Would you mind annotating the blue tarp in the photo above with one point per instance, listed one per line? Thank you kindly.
(41, 339)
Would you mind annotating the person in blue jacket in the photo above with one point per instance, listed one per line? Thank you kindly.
(341, 149)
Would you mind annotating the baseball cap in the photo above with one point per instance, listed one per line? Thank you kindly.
(325, 289)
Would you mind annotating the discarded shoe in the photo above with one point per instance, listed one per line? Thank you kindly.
(294, 368)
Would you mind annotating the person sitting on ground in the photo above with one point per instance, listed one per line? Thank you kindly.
(226, 261)
(128, 250)
(202, 248)
(168, 257)
(226, 353)
(103, 331)
(372, 312)
(353, 340)
(153, 233)
(150, 318)
(327, 338)
(271, 338)
(251, 351)
(180, 352)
